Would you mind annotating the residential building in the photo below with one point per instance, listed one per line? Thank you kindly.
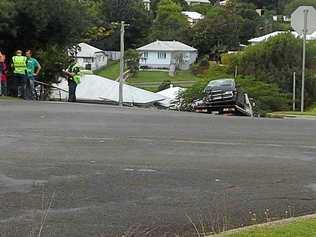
(167, 55)
(193, 17)
(264, 38)
(147, 4)
(194, 2)
(91, 58)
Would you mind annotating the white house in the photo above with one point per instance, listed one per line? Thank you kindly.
(91, 58)
(167, 54)
(193, 2)
(147, 4)
(264, 38)
(193, 17)
(223, 3)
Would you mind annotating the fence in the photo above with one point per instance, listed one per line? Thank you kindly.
(42, 91)
(113, 55)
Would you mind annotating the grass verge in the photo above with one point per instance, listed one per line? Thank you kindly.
(149, 79)
(300, 227)
(158, 76)
(309, 112)
(111, 71)
(8, 98)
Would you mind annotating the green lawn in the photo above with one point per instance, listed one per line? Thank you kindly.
(149, 80)
(304, 228)
(111, 71)
(309, 112)
(8, 98)
(158, 76)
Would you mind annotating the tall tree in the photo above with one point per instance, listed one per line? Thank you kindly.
(170, 23)
(217, 33)
(46, 26)
(251, 21)
(291, 6)
(134, 14)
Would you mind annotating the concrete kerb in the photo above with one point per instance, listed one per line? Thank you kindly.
(290, 116)
(267, 225)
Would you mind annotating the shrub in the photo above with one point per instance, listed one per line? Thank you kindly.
(268, 97)
(164, 85)
(132, 58)
(201, 68)
(274, 61)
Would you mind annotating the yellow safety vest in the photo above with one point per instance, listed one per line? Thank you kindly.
(19, 63)
(75, 69)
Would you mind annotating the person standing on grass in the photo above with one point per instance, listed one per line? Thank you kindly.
(19, 74)
(3, 77)
(33, 70)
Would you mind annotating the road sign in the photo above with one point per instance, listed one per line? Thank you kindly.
(304, 22)
(297, 19)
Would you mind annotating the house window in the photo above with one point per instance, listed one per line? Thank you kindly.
(88, 60)
(162, 55)
(145, 55)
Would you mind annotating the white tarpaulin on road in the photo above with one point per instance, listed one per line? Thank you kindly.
(96, 88)
(172, 96)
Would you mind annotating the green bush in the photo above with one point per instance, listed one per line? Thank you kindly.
(273, 62)
(201, 67)
(164, 85)
(268, 97)
(132, 58)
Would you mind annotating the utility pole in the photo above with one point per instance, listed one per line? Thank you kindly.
(236, 72)
(304, 59)
(122, 64)
(294, 91)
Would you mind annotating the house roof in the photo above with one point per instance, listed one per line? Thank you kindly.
(223, 3)
(198, 1)
(87, 51)
(166, 46)
(273, 34)
(193, 15)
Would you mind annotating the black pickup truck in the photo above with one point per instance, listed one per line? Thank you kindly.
(223, 96)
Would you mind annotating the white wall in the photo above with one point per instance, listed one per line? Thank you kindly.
(113, 55)
(98, 61)
(154, 62)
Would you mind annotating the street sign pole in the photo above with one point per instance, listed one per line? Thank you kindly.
(303, 21)
(294, 91)
(304, 60)
(122, 64)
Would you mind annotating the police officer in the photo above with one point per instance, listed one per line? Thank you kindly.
(73, 76)
(19, 63)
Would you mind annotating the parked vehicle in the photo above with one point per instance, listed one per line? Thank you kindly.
(223, 96)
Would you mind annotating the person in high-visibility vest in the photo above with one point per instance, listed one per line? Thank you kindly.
(19, 64)
(73, 76)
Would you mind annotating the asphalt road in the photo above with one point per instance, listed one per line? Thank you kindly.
(110, 170)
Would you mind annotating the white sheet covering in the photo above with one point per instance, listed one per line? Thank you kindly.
(96, 88)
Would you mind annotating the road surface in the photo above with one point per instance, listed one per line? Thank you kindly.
(110, 170)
